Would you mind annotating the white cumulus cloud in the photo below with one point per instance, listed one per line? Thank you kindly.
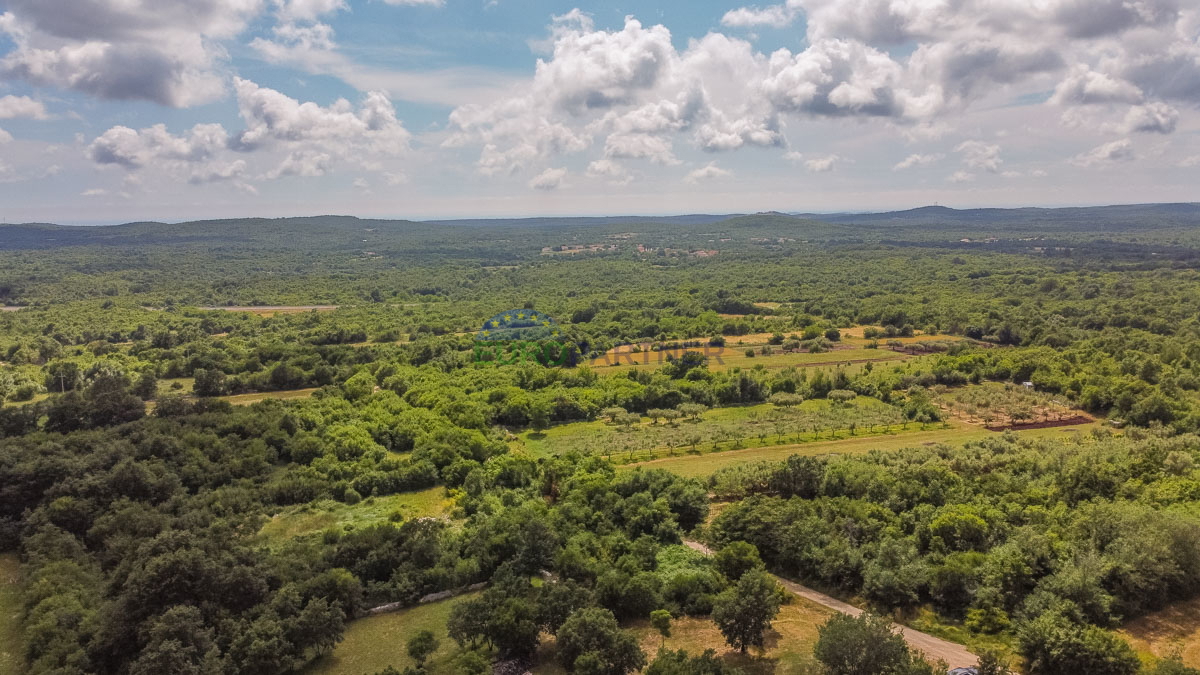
(550, 179)
(707, 172)
(1109, 153)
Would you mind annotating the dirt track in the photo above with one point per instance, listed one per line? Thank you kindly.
(955, 655)
(1047, 424)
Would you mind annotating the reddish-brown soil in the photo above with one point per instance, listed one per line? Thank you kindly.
(1045, 424)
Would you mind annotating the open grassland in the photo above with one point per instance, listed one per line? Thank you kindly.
(1173, 629)
(308, 519)
(718, 429)
(698, 466)
(376, 642)
(11, 642)
(177, 385)
(788, 648)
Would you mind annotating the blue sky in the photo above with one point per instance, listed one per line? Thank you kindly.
(117, 110)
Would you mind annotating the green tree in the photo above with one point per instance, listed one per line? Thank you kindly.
(744, 612)
(613, 413)
(590, 640)
(737, 558)
(668, 662)
(786, 400)
(992, 662)
(848, 645)
(359, 386)
(1172, 665)
(1054, 645)
(660, 619)
(421, 646)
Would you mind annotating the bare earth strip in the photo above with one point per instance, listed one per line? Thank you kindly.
(955, 655)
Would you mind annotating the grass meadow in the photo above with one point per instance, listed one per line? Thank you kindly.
(376, 642)
(307, 519)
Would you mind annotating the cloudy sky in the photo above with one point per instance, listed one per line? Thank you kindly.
(116, 110)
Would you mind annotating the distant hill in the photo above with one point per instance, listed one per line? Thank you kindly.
(585, 221)
(1126, 215)
(348, 233)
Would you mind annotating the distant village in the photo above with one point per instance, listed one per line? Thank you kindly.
(572, 249)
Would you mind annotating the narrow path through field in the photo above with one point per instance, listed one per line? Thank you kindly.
(955, 655)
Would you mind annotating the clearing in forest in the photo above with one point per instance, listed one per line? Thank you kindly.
(298, 521)
(373, 643)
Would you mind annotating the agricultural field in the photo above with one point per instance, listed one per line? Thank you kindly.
(728, 357)
(952, 433)
(998, 405)
(718, 429)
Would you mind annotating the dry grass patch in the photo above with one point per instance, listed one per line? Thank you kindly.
(1174, 629)
(788, 649)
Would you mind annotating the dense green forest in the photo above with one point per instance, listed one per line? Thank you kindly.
(865, 366)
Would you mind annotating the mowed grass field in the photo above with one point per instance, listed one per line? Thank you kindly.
(699, 466)
(376, 642)
(11, 641)
(788, 648)
(309, 519)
